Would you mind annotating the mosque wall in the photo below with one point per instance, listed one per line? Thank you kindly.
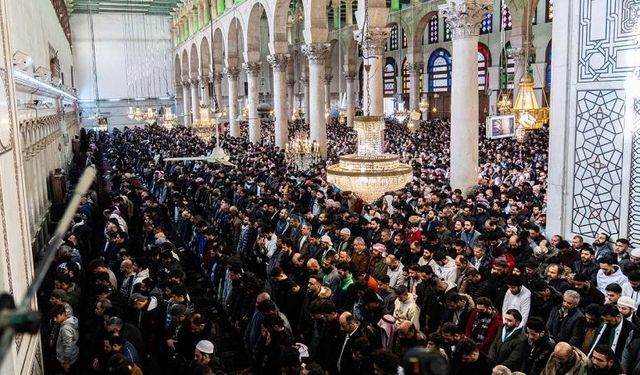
(595, 120)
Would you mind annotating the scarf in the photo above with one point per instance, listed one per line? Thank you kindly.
(480, 326)
(612, 341)
(344, 284)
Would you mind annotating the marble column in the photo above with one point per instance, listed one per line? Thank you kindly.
(204, 89)
(232, 76)
(316, 54)
(291, 86)
(304, 90)
(217, 87)
(186, 103)
(414, 83)
(464, 17)
(350, 79)
(373, 56)
(327, 92)
(281, 110)
(253, 71)
(195, 99)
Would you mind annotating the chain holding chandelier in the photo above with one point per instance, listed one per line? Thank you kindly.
(301, 152)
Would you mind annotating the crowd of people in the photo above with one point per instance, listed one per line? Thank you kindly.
(164, 258)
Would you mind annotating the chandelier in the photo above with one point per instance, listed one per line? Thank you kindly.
(203, 127)
(150, 116)
(301, 152)
(528, 113)
(504, 105)
(169, 119)
(369, 172)
(131, 113)
(138, 115)
(423, 106)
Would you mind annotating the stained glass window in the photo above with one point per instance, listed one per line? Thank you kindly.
(404, 39)
(549, 11)
(447, 31)
(406, 84)
(507, 68)
(507, 21)
(484, 62)
(393, 38)
(547, 60)
(486, 26)
(439, 71)
(433, 29)
(389, 77)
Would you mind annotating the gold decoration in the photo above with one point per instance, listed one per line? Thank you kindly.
(528, 113)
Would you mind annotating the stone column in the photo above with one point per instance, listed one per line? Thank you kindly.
(186, 102)
(350, 78)
(281, 111)
(414, 82)
(217, 87)
(204, 89)
(327, 92)
(316, 54)
(195, 99)
(373, 55)
(232, 75)
(304, 90)
(464, 17)
(253, 70)
(291, 86)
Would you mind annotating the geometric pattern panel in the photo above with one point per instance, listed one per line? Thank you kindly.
(506, 19)
(597, 184)
(607, 47)
(433, 29)
(486, 26)
(634, 188)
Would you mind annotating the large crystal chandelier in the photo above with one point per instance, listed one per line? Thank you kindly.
(169, 119)
(150, 116)
(203, 127)
(369, 172)
(138, 115)
(301, 152)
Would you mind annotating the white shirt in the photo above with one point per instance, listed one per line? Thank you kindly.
(520, 302)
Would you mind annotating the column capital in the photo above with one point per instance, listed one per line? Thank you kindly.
(204, 79)
(232, 72)
(291, 82)
(464, 16)
(350, 75)
(414, 68)
(194, 81)
(328, 78)
(252, 68)
(278, 62)
(217, 77)
(304, 80)
(186, 83)
(315, 52)
(373, 40)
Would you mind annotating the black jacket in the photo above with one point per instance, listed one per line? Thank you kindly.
(510, 351)
(536, 355)
(569, 329)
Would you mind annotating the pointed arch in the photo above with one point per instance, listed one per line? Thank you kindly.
(484, 62)
(439, 68)
(194, 62)
(389, 77)
(205, 57)
(547, 60)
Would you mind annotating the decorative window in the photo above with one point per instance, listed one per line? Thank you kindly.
(486, 26)
(547, 61)
(484, 62)
(507, 68)
(393, 38)
(406, 83)
(507, 21)
(549, 11)
(433, 29)
(439, 71)
(389, 77)
(447, 31)
(405, 43)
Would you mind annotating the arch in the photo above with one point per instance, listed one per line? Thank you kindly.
(278, 21)
(547, 60)
(484, 62)
(418, 37)
(254, 31)
(194, 62)
(185, 65)
(218, 50)
(439, 68)
(177, 70)
(234, 42)
(389, 77)
(205, 57)
(315, 21)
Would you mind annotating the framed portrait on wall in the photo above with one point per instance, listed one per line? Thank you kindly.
(501, 126)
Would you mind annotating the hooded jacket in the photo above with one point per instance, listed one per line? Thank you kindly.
(407, 310)
(616, 277)
(66, 346)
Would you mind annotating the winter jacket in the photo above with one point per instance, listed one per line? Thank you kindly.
(476, 332)
(407, 310)
(536, 355)
(580, 367)
(66, 346)
(569, 329)
(520, 302)
(631, 354)
(510, 351)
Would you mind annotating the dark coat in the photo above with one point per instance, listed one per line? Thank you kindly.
(569, 329)
(536, 355)
(511, 351)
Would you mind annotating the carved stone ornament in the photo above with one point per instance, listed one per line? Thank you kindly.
(217, 77)
(315, 52)
(252, 68)
(464, 16)
(278, 62)
(374, 40)
(232, 72)
(350, 76)
(194, 81)
(186, 83)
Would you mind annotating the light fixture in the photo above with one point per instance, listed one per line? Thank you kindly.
(169, 119)
(150, 116)
(369, 172)
(423, 106)
(138, 115)
(505, 105)
(130, 114)
(301, 152)
(528, 113)
(203, 126)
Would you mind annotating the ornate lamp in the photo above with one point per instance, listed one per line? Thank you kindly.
(528, 113)
(138, 115)
(150, 116)
(369, 172)
(203, 127)
(130, 114)
(169, 119)
(301, 152)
